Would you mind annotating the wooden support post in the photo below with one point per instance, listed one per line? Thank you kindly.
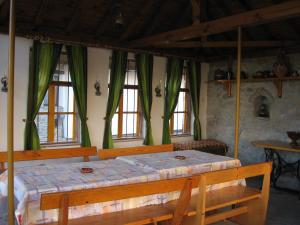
(10, 113)
(238, 93)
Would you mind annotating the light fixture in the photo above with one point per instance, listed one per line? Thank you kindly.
(158, 89)
(119, 19)
(97, 88)
(4, 83)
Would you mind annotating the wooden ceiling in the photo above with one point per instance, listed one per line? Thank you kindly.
(94, 23)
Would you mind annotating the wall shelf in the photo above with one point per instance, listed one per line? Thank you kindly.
(277, 82)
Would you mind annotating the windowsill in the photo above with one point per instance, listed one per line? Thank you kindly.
(181, 135)
(128, 139)
(60, 145)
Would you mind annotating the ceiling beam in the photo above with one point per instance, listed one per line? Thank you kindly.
(4, 11)
(104, 17)
(228, 44)
(76, 14)
(156, 18)
(196, 11)
(250, 18)
(138, 21)
(226, 10)
(40, 14)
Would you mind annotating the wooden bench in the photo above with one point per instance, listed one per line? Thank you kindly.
(248, 202)
(115, 152)
(242, 204)
(43, 154)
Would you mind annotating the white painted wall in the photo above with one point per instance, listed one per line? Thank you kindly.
(98, 66)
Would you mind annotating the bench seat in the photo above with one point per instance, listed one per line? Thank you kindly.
(216, 199)
(142, 215)
(221, 198)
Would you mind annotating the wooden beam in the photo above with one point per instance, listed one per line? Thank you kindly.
(156, 18)
(73, 21)
(227, 44)
(250, 18)
(245, 4)
(41, 13)
(10, 112)
(139, 20)
(238, 93)
(4, 11)
(103, 18)
(196, 11)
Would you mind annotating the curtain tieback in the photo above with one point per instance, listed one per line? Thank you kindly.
(28, 121)
(84, 119)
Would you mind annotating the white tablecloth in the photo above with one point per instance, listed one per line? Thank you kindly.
(30, 182)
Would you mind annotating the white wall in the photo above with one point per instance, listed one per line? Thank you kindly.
(21, 84)
(98, 66)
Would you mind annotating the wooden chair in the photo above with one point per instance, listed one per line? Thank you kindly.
(29, 155)
(241, 204)
(137, 216)
(115, 152)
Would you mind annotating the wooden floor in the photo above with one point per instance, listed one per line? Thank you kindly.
(283, 210)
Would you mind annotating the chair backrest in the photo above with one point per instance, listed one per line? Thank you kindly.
(115, 152)
(43, 154)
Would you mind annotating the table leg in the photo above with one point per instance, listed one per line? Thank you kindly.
(280, 166)
(273, 156)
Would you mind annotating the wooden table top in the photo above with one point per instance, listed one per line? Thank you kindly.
(276, 145)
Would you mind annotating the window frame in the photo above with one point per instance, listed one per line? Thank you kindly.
(120, 111)
(51, 114)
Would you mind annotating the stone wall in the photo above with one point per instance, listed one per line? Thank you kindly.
(284, 112)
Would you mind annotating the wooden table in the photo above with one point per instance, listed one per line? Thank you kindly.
(273, 150)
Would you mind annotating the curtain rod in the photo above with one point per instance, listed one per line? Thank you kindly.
(106, 46)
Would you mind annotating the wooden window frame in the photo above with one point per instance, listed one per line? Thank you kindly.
(121, 112)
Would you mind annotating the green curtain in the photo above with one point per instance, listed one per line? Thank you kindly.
(144, 65)
(117, 78)
(174, 76)
(194, 77)
(44, 57)
(77, 59)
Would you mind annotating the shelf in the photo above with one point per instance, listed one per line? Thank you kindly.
(276, 80)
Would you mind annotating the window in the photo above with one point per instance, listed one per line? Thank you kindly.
(127, 121)
(181, 120)
(57, 120)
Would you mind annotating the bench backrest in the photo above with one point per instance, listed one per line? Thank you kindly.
(246, 213)
(43, 154)
(115, 152)
(112, 193)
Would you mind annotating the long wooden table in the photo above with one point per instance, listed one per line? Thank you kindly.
(273, 150)
(32, 181)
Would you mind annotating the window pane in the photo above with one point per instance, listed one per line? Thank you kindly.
(131, 77)
(178, 123)
(129, 124)
(44, 105)
(64, 99)
(42, 127)
(114, 125)
(64, 125)
(184, 81)
(181, 102)
(130, 100)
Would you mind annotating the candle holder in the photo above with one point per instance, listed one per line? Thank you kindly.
(97, 88)
(4, 83)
